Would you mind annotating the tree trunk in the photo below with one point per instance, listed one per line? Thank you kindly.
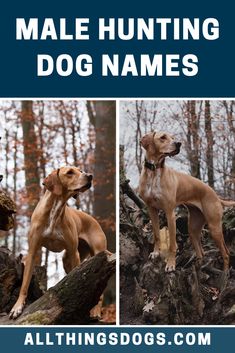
(139, 106)
(30, 155)
(230, 113)
(196, 141)
(70, 301)
(210, 142)
(193, 139)
(42, 159)
(104, 122)
(102, 115)
(11, 275)
(15, 186)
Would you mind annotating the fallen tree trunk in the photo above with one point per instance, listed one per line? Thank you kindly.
(70, 301)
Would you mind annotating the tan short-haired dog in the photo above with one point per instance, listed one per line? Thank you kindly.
(164, 188)
(58, 227)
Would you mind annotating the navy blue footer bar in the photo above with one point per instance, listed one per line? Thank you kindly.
(103, 339)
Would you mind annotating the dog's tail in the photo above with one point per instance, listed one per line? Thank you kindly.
(227, 203)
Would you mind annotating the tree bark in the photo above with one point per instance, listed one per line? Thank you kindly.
(210, 142)
(7, 209)
(104, 122)
(15, 185)
(102, 115)
(193, 140)
(70, 301)
(30, 155)
(11, 275)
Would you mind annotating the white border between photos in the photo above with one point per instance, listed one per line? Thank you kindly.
(117, 325)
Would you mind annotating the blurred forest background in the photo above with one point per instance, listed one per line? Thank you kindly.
(205, 127)
(40, 136)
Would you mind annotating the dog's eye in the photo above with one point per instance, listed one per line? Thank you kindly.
(163, 137)
(70, 172)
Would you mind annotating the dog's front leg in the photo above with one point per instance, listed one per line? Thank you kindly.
(153, 213)
(28, 270)
(170, 265)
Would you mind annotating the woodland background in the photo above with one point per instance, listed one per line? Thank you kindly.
(40, 136)
(206, 129)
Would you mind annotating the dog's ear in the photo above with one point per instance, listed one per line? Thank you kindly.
(147, 139)
(53, 184)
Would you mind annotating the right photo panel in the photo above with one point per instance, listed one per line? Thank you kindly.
(177, 214)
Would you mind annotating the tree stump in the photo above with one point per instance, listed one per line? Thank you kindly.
(196, 293)
(11, 275)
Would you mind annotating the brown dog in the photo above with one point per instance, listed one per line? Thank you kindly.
(58, 227)
(164, 188)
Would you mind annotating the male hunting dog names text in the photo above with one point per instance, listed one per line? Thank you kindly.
(155, 30)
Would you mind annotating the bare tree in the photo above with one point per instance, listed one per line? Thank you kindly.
(32, 178)
(193, 138)
(209, 150)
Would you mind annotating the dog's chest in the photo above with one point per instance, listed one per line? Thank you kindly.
(53, 241)
(151, 189)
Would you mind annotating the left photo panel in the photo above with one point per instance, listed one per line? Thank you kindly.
(57, 212)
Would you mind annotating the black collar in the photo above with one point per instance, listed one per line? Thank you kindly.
(153, 166)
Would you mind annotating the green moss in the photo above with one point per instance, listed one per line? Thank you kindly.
(37, 318)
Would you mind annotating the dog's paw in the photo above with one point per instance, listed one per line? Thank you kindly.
(95, 313)
(154, 255)
(170, 265)
(170, 268)
(16, 311)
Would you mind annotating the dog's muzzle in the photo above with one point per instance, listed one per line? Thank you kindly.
(177, 149)
(178, 145)
(84, 187)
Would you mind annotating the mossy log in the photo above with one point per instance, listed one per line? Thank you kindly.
(70, 301)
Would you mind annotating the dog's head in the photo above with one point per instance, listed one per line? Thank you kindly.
(160, 144)
(68, 180)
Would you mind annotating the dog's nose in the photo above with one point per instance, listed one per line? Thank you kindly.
(178, 144)
(89, 177)
(1, 177)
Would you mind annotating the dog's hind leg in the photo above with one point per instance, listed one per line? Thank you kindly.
(71, 259)
(218, 237)
(196, 222)
(214, 220)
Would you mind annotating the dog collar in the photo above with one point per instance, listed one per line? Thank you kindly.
(149, 165)
(152, 166)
